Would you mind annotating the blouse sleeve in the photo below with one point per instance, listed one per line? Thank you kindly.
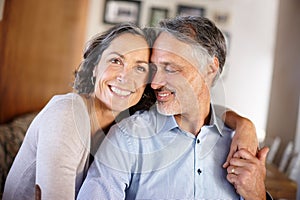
(61, 146)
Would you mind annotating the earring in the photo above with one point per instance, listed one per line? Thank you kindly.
(93, 79)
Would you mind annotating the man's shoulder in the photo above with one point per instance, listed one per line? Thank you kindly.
(140, 124)
(139, 118)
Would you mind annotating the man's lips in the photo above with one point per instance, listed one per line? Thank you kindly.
(120, 92)
(163, 95)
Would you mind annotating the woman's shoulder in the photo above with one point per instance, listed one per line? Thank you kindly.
(65, 103)
(62, 115)
(67, 99)
(65, 107)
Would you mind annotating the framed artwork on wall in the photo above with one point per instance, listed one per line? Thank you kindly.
(185, 10)
(117, 11)
(156, 14)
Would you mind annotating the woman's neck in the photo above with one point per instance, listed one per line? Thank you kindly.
(105, 117)
(101, 117)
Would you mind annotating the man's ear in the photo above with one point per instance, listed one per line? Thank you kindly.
(214, 67)
(212, 70)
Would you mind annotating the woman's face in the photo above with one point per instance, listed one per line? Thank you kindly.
(122, 72)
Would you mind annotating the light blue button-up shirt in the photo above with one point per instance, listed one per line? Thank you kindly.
(147, 156)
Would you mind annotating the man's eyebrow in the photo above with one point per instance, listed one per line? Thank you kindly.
(167, 63)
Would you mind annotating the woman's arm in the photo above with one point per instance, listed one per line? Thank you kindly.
(61, 149)
(245, 132)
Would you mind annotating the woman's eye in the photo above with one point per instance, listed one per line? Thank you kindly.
(141, 69)
(116, 61)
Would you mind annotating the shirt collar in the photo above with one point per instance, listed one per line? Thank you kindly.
(216, 121)
(164, 123)
(167, 123)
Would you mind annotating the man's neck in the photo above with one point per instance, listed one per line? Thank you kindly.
(193, 122)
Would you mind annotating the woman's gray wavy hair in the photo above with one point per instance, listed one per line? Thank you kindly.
(83, 83)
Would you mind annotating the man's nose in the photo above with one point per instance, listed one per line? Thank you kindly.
(158, 81)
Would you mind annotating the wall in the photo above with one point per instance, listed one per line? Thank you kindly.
(297, 147)
(252, 25)
(297, 139)
(284, 102)
(251, 63)
(41, 44)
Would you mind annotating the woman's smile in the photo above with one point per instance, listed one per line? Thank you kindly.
(119, 91)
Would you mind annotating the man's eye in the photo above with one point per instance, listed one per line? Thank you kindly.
(116, 61)
(170, 69)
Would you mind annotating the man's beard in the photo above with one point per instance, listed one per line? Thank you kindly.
(168, 109)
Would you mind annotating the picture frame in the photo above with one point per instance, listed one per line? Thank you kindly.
(186, 10)
(118, 11)
(222, 18)
(156, 14)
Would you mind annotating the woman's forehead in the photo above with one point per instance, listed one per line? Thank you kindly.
(128, 42)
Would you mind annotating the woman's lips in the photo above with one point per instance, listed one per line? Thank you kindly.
(120, 92)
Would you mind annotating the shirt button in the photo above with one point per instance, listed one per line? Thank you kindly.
(198, 141)
(199, 171)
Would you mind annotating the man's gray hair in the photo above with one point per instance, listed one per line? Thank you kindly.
(198, 31)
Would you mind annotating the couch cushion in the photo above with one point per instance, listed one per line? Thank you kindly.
(11, 137)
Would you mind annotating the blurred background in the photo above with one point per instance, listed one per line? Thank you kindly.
(41, 45)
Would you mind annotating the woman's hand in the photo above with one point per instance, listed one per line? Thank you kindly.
(244, 137)
(247, 173)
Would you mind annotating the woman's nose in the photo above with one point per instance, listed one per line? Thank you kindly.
(124, 75)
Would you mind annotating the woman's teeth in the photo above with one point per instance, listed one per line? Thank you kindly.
(120, 92)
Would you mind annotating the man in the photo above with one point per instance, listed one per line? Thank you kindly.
(176, 150)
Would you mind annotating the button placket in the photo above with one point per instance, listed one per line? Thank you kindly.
(197, 150)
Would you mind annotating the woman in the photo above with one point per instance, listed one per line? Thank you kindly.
(56, 150)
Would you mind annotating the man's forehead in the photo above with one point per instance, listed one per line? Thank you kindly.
(166, 41)
(168, 44)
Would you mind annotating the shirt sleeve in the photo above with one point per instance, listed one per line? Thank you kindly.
(110, 174)
(60, 149)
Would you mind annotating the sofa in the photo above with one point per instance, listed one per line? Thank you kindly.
(11, 138)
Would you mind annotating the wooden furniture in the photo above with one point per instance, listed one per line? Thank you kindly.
(41, 44)
(279, 185)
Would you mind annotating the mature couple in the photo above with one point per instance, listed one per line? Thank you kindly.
(177, 149)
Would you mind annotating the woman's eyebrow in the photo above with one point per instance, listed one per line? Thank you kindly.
(123, 57)
(118, 54)
(142, 62)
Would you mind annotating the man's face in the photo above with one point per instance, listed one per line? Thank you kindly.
(179, 86)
